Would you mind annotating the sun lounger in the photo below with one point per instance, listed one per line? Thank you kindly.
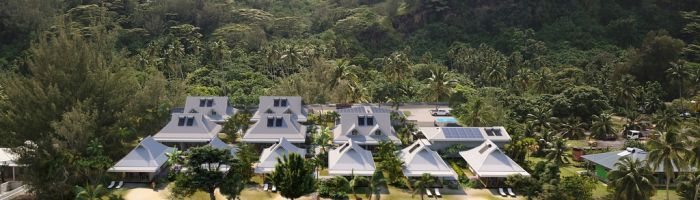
(437, 192)
(427, 192)
(265, 187)
(503, 193)
(119, 185)
(510, 192)
(111, 185)
(274, 188)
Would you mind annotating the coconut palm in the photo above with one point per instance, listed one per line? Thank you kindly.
(678, 73)
(343, 77)
(440, 85)
(397, 66)
(89, 192)
(175, 158)
(573, 128)
(689, 186)
(426, 181)
(669, 154)
(541, 119)
(292, 57)
(666, 118)
(323, 138)
(602, 126)
(557, 152)
(631, 179)
(375, 182)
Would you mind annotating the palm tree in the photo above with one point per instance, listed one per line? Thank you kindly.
(89, 192)
(625, 90)
(175, 158)
(574, 128)
(543, 80)
(602, 126)
(440, 85)
(666, 118)
(631, 180)
(357, 181)
(292, 56)
(476, 117)
(670, 154)
(323, 138)
(678, 73)
(557, 152)
(426, 181)
(293, 176)
(495, 75)
(343, 76)
(690, 181)
(375, 182)
(397, 66)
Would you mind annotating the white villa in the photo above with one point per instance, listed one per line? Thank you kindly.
(8, 164)
(271, 127)
(418, 159)
(187, 130)
(443, 137)
(143, 163)
(217, 109)
(280, 105)
(218, 144)
(490, 164)
(350, 159)
(365, 125)
(268, 158)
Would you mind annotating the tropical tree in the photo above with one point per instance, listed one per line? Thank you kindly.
(689, 186)
(393, 167)
(323, 138)
(440, 85)
(557, 152)
(89, 192)
(397, 66)
(631, 179)
(670, 154)
(528, 186)
(238, 122)
(175, 158)
(336, 187)
(357, 181)
(426, 181)
(573, 128)
(679, 74)
(602, 127)
(666, 118)
(293, 176)
(541, 119)
(343, 77)
(375, 183)
(209, 168)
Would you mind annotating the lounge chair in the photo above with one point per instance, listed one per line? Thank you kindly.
(510, 192)
(265, 187)
(111, 185)
(119, 185)
(427, 192)
(502, 192)
(274, 188)
(437, 192)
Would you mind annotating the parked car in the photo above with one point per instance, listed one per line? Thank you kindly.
(439, 112)
(634, 134)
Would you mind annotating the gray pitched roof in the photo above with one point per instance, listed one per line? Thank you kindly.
(267, 105)
(487, 160)
(218, 144)
(608, 159)
(457, 134)
(349, 159)
(418, 158)
(268, 158)
(148, 156)
(349, 127)
(260, 132)
(202, 129)
(218, 111)
(7, 157)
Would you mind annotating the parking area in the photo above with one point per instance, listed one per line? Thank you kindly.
(421, 114)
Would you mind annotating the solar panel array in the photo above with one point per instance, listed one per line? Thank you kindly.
(471, 133)
(352, 110)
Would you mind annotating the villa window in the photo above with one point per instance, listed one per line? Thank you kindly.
(270, 122)
(202, 102)
(370, 121)
(190, 121)
(213, 112)
(283, 102)
(276, 103)
(278, 122)
(354, 132)
(210, 102)
(181, 121)
(361, 120)
(378, 132)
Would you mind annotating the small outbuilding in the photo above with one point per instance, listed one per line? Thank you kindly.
(350, 159)
(490, 164)
(418, 159)
(144, 163)
(268, 158)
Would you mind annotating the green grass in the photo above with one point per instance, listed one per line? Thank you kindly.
(324, 172)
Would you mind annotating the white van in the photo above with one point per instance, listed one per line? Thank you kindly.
(634, 134)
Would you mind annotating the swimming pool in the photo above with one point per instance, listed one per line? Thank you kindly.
(445, 120)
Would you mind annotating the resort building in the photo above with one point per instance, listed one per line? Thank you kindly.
(268, 158)
(350, 159)
(278, 105)
(186, 130)
(8, 165)
(271, 127)
(418, 159)
(490, 164)
(443, 137)
(365, 125)
(218, 144)
(602, 163)
(217, 109)
(144, 163)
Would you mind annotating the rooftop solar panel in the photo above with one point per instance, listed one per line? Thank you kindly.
(470, 133)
